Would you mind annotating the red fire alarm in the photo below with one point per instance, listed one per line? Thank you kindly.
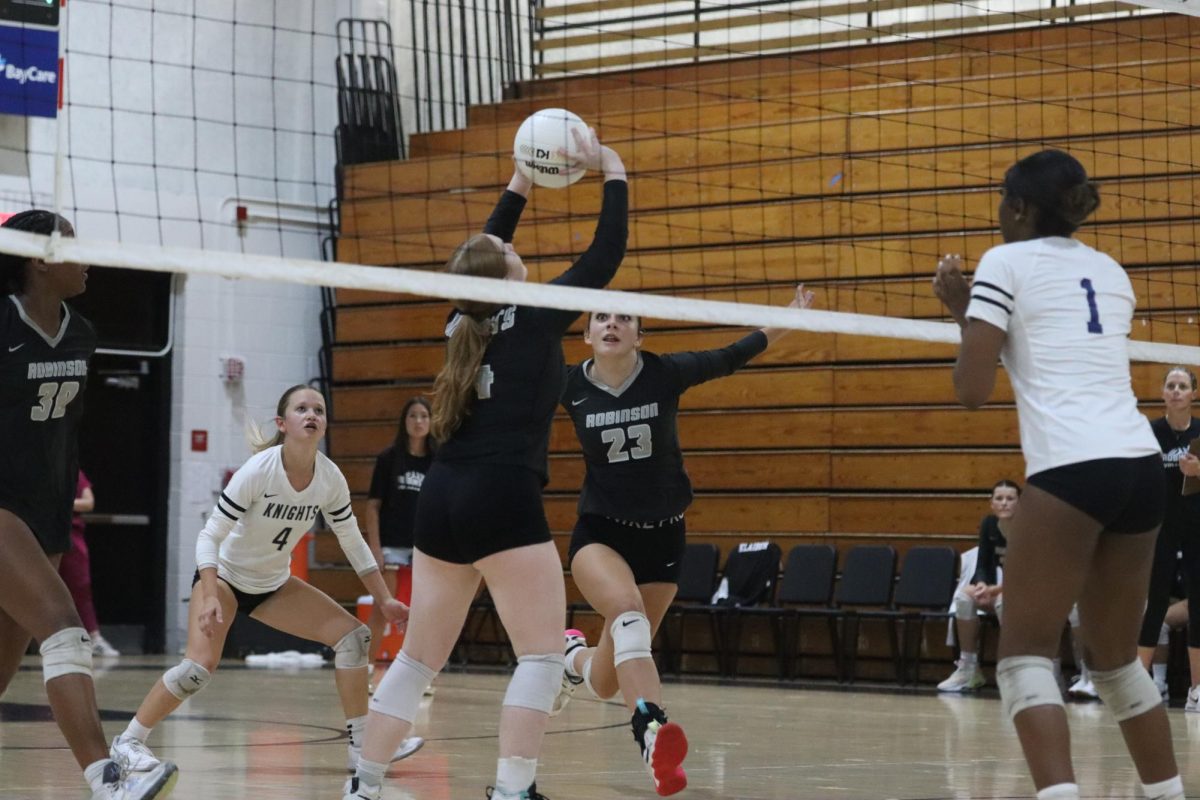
(199, 441)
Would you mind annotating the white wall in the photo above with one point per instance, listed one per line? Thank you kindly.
(162, 138)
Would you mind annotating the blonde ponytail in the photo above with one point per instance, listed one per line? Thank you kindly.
(454, 389)
(256, 437)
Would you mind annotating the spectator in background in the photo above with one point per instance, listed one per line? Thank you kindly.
(76, 569)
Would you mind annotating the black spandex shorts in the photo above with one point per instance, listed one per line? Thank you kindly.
(653, 550)
(1125, 495)
(246, 601)
(466, 512)
(53, 532)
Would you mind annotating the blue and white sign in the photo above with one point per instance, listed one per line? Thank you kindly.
(28, 71)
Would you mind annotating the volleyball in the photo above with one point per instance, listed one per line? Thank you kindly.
(539, 141)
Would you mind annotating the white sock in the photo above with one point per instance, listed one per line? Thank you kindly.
(1159, 671)
(968, 659)
(93, 773)
(570, 664)
(370, 773)
(515, 774)
(1171, 789)
(1060, 791)
(137, 730)
(355, 726)
(1084, 675)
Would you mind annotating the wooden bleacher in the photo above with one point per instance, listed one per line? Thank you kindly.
(824, 438)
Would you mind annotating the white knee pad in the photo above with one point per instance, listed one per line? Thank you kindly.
(186, 678)
(535, 682)
(587, 681)
(1128, 691)
(399, 693)
(353, 651)
(1026, 682)
(964, 606)
(631, 637)
(66, 652)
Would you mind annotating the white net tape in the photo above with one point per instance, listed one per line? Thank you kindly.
(435, 284)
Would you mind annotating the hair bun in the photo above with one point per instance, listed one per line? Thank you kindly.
(1078, 202)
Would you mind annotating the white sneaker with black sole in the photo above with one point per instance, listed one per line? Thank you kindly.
(122, 785)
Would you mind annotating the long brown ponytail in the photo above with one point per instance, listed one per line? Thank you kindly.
(454, 388)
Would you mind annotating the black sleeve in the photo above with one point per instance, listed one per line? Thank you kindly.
(704, 365)
(598, 264)
(985, 565)
(505, 216)
(381, 476)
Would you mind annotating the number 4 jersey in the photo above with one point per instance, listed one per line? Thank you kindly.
(42, 379)
(628, 433)
(1067, 310)
(259, 519)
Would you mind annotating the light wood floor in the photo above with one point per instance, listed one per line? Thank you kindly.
(260, 735)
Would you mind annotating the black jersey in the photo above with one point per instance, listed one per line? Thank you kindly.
(992, 546)
(42, 380)
(629, 435)
(521, 377)
(397, 483)
(1174, 446)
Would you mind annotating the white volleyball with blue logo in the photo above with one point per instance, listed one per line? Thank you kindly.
(540, 142)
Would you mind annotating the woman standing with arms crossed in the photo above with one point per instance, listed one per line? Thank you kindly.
(243, 559)
(480, 510)
(1058, 314)
(1175, 431)
(44, 352)
(628, 544)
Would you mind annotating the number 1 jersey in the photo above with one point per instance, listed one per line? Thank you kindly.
(42, 380)
(1068, 311)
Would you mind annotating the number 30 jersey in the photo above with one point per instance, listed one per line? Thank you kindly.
(1067, 310)
(42, 381)
(629, 436)
(259, 519)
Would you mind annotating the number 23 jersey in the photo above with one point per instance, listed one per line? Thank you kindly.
(42, 381)
(259, 519)
(1067, 310)
(629, 434)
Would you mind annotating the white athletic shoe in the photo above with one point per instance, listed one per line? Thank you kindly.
(531, 793)
(153, 785)
(570, 680)
(132, 754)
(356, 791)
(101, 647)
(409, 746)
(1193, 701)
(967, 678)
(1084, 689)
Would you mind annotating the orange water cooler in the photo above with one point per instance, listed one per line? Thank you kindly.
(392, 638)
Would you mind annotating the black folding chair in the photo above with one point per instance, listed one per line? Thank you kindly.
(807, 581)
(867, 578)
(697, 578)
(924, 591)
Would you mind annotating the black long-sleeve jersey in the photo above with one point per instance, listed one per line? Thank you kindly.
(629, 435)
(523, 371)
(42, 380)
(1181, 510)
(992, 546)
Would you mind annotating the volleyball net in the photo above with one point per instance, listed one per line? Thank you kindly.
(843, 145)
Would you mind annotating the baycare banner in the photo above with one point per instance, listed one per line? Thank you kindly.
(28, 71)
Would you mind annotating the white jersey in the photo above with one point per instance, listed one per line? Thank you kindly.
(259, 519)
(1068, 310)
